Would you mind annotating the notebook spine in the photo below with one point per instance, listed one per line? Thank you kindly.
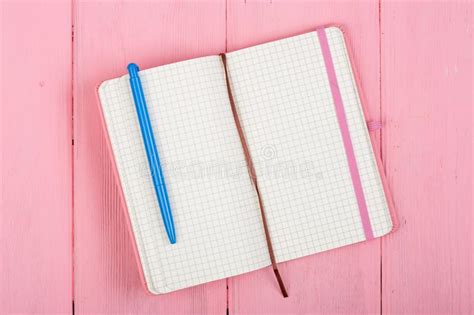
(253, 177)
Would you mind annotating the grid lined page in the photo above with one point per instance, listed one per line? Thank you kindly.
(285, 105)
(215, 207)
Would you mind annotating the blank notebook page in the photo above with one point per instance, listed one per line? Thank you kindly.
(215, 208)
(285, 105)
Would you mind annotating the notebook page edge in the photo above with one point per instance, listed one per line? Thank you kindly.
(138, 252)
(361, 112)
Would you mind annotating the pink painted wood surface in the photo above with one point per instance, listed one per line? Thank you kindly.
(427, 147)
(36, 197)
(320, 283)
(415, 65)
(109, 35)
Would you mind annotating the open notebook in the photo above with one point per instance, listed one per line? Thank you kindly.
(285, 94)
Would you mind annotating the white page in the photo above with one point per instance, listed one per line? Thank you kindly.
(214, 205)
(285, 105)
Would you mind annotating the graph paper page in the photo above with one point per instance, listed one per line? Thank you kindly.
(285, 105)
(215, 208)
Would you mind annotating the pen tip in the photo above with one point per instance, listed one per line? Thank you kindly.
(172, 238)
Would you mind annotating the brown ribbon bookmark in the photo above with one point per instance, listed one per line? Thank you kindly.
(253, 177)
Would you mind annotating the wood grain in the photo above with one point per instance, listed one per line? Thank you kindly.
(427, 147)
(319, 283)
(109, 36)
(415, 64)
(36, 197)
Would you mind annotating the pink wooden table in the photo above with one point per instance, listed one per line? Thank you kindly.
(63, 242)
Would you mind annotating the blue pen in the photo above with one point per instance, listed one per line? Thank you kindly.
(151, 151)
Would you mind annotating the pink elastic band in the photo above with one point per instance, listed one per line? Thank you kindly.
(374, 125)
(346, 138)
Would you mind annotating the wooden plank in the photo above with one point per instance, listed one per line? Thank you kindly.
(345, 280)
(427, 147)
(35, 216)
(109, 35)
